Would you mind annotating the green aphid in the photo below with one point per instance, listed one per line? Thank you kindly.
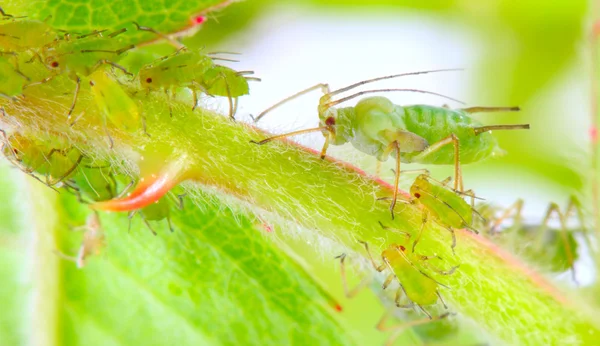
(441, 205)
(92, 183)
(55, 162)
(12, 80)
(160, 210)
(416, 286)
(419, 133)
(114, 103)
(19, 34)
(81, 56)
(554, 248)
(224, 81)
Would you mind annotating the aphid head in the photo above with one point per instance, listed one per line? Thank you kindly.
(337, 122)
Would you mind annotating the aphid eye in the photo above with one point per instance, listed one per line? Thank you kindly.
(418, 195)
(402, 248)
(148, 80)
(92, 83)
(54, 64)
(330, 121)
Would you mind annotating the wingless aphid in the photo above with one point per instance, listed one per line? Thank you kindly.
(418, 287)
(114, 103)
(159, 210)
(92, 183)
(92, 243)
(554, 248)
(20, 35)
(441, 205)
(83, 55)
(54, 163)
(418, 133)
(197, 71)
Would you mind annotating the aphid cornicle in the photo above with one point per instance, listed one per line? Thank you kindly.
(419, 288)
(418, 133)
(83, 55)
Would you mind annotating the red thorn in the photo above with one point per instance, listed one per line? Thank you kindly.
(150, 189)
(199, 20)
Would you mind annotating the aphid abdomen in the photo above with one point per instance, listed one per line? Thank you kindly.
(157, 211)
(376, 120)
(437, 123)
(419, 288)
(445, 206)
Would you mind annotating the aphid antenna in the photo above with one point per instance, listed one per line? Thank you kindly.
(243, 73)
(344, 99)
(482, 129)
(4, 14)
(117, 33)
(491, 109)
(172, 41)
(223, 52)
(93, 33)
(117, 52)
(367, 81)
(254, 79)
(224, 59)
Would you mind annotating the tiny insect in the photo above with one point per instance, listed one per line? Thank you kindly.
(196, 71)
(93, 241)
(441, 205)
(20, 35)
(12, 80)
(33, 157)
(159, 210)
(114, 103)
(554, 248)
(82, 55)
(413, 134)
(92, 183)
(419, 288)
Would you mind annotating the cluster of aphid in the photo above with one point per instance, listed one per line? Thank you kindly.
(35, 55)
(411, 134)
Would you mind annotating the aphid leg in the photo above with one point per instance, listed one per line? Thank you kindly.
(350, 292)
(3, 111)
(398, 296)
(68, 172)
(231, 113)
(554, 208)
(452, 139)
(113, 64)
(67, 257)
(490, 109)
(267, 140)
(424, 222)
(325, 104)
(575, 204)
(235, 105)
(323, 86)
(441, 299)
(105, 127)
(195, 95)
(170, 224)
(169, 102)
(325, 146)
(391, 147)
(516, 208)
(148, 225)
(379, 268)
(77, 87)
(436, 269)
(406, 234)
(399, 328)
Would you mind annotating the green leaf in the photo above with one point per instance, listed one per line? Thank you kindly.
(216, 279)
(85, 15)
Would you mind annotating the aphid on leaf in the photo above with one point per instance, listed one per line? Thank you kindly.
(114, 103)
(159, 210)
(553, 247)
(33, 157)
(81, 56)
(93, 241)
(419, 288)
(413, 134)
